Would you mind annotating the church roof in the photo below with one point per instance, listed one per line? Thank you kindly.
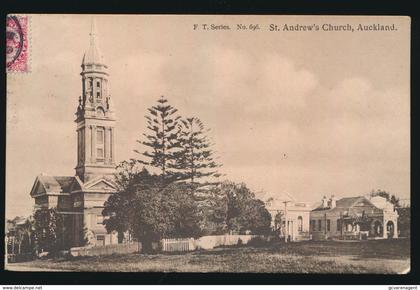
(56, 184)
(93, 55)
(63, 185)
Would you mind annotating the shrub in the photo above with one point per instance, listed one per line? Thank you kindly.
(258, 242)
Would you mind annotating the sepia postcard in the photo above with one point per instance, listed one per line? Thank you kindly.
(208, 143)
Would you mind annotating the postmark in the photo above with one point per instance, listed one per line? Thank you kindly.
(17, 43)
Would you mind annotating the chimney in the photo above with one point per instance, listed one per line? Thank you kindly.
(333, 201)
(324, 202)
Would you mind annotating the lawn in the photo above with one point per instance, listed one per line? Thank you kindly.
(379, 256)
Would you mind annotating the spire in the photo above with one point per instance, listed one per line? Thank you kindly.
(92, 31)
(93, 54)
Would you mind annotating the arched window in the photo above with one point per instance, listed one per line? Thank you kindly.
(98, 90)
(300, 224)
(100, 112)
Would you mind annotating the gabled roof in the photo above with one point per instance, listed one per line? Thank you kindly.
(64, 185)
(52, 184)
(346, 202)
(100, 183)
(76, 184)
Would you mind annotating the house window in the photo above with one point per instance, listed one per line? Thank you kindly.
(300, 224)
(319, 225)
(100, 143)
(339, 225)
(98, 84)
(99, 219)
(328, 225)
(98, 95)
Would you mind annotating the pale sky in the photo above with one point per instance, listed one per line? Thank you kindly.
(308, 113)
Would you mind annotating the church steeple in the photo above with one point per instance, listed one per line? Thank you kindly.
(92, 31)
(93, 55)
(94, 117)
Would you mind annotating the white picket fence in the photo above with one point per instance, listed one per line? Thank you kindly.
(178, 245)
(206, 242)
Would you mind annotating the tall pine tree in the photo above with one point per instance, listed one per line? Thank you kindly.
(195, 158)
(162, 139)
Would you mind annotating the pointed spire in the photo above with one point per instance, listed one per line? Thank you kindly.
(93, 54)
(92, 31)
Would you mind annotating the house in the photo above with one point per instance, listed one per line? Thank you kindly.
(18, 239)
(354, 218)
(289, 217)
(80, 198)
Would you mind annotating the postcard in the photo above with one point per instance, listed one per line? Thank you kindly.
(208, 143)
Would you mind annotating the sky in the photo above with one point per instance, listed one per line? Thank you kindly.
(307, 113)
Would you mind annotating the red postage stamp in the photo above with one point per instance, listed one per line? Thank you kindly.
(17, 44)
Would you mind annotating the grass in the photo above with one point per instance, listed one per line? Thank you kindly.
(379, 256)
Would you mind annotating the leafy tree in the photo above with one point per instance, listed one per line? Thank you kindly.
(212, 206)
(162, 138)
(404, 221)
(165, 211)
(258, 218)
(26, 236)
(195, 159)
(50, 231)
(239, 209)
(278, 220)
(150, 207)
(389, 197)
(118, 208)
(21, 235)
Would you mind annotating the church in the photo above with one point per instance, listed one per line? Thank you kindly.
(80, 199)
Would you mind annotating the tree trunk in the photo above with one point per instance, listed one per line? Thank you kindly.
(146, 246)
(120, 237)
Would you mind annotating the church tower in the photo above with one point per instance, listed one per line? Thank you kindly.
(94, 117)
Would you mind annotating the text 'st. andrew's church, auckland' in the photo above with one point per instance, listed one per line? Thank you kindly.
(80, 199)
